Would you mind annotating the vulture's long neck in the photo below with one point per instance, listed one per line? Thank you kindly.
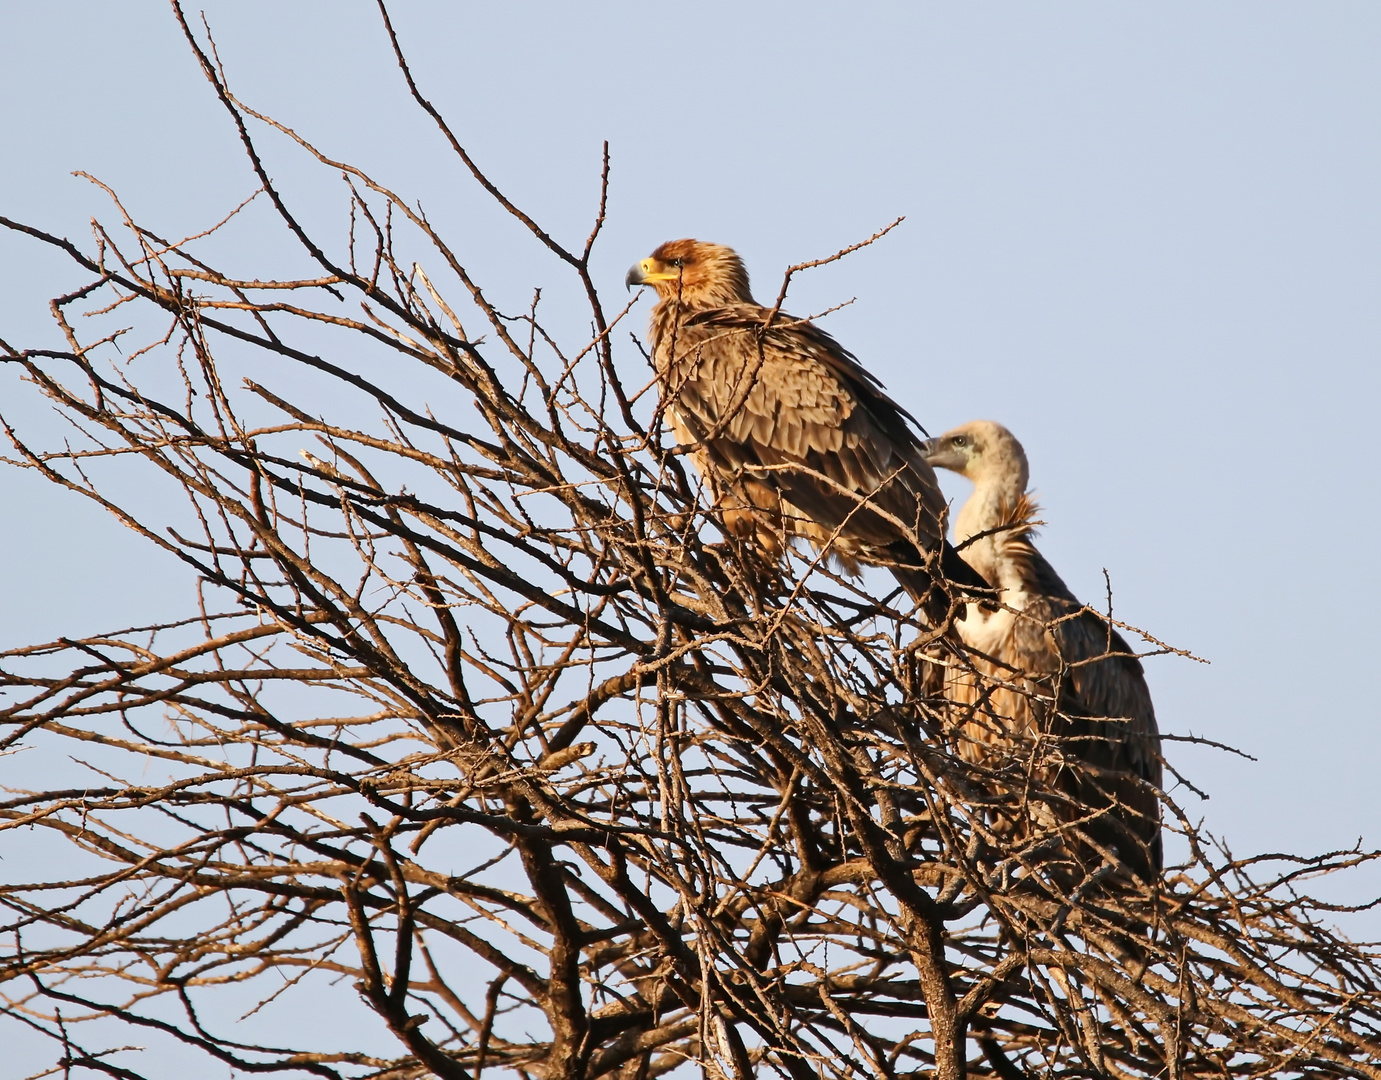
(996, 494)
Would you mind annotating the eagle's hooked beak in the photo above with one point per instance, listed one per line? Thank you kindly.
(647, 272)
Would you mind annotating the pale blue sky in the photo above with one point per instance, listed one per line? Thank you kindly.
(1147, 237)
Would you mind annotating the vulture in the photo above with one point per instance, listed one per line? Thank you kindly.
(1044, 664)
(794, 438)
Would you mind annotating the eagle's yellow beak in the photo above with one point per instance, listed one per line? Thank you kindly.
(647, 272)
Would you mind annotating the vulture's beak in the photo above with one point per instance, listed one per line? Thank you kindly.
(939, 454)
(647, 272)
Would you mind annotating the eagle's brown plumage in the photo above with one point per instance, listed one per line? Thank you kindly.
(1067, 672)
(792, 435)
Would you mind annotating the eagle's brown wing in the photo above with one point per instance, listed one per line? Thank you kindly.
(791, 411)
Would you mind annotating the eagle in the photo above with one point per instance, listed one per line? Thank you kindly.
(793, 437)
(1043, 663)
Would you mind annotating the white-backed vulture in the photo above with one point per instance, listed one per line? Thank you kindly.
(793, 436)
(1068, 672)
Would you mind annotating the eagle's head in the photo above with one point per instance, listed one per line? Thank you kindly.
(981, 450)
(701, 274)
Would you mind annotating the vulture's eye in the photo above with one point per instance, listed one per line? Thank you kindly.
(960, 440)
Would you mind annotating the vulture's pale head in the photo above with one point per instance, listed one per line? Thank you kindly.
(984, 452)
(703, 275)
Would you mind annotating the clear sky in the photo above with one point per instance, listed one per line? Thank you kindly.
(1146, 237)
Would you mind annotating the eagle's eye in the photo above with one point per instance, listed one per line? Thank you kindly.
(677, 262)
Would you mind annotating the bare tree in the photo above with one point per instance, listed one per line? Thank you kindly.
(480, 720)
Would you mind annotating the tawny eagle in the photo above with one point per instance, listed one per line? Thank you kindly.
(1066, 671)
(793, 437)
